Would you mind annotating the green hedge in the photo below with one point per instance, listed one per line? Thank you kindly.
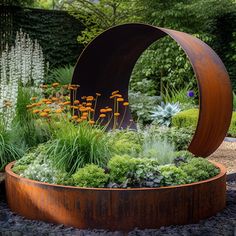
(56, 31)
(189, 118)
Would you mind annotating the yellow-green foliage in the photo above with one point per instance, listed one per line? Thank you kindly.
(232, 128)
(188, 118)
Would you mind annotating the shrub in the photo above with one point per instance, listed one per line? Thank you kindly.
(157, 149)
(186, 119)
(182, 157)
(179, 137)
(199, 169)
(120, 167)
(90, 176)
(146, 174)
(125, 142)
(73, 147)
(173, 175)
(141, 106)
(36, 165)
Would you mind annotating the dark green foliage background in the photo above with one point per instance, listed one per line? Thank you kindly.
(56, 32)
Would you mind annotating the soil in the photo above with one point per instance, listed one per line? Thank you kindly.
(226, 155)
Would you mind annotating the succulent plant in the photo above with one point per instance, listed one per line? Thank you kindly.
(163, 113)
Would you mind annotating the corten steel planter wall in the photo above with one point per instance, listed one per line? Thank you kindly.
(107, 63)
(116, 209)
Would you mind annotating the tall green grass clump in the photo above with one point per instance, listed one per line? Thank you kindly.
(62, 75)
(28, 131)
(73, 147)
(9, 151)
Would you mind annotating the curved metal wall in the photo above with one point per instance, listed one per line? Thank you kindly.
(107, 62)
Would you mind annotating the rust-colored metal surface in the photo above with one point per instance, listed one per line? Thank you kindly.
(116, 209)
(107, 63)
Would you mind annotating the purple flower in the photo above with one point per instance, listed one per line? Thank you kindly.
(190, 93)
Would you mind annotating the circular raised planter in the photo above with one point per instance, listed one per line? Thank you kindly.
(116, 209)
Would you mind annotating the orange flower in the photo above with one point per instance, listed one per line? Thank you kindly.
(120, 99)
(76, 102)
(98, 94)
(125, 104)
(55, 85)
(115, 92)
(38, 103)
(74, 117)
(82, 109)
(92, 110)
(108, 109)
(116, 95)
(102, 115)
(91, 122)
(48, 102)
(34, 98)
(103, 110)
(58, 111)
(45, 100)
(116, 114)
(89, 104)
(74, 107)
(90, 98)
(43, 114)
(54, 99)
(36, 111)
(66, 103)
(83, 117)
(84, 97)
(47, 110)
(85, 114)
(79, 120)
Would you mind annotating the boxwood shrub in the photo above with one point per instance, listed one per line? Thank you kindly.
(189, 118)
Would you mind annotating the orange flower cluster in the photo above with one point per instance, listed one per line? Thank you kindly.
(58, 104)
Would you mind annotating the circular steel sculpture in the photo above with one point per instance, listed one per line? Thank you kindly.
(116, 209)
(107, 62)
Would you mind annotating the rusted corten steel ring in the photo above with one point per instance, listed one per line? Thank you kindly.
(107, 62)
(116, 209)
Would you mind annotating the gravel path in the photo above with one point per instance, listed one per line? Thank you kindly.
(226, 155)
(223, 224)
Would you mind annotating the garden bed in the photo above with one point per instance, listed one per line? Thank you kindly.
(116, 209)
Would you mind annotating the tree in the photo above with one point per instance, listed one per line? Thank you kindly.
(98, 16)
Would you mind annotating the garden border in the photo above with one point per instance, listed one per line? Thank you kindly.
(116, 209)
